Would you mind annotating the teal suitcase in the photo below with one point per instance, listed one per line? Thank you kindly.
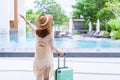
(63, 73)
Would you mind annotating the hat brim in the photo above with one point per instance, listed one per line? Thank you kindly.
(48, 25)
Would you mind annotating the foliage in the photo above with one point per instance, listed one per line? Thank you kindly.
(52, 7)
(76, 33)
(116, 35)
(32, 16)
(104, 15)
(115, 26)
(114, 23)
(27, 29)
(114, 6)
(106, 33)
(89, 9)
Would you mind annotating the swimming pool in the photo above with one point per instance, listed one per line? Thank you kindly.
(14, 40)
(71, 43)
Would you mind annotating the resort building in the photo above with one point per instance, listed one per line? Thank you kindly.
(77, 25)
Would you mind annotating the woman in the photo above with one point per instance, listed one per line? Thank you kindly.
(43, 61)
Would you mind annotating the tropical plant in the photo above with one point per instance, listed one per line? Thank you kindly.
(115, 26)
(116, 35)
(114, 6)
(106, 33)
(52, 7)
(90, 10)
(32, 15)
(76, 33)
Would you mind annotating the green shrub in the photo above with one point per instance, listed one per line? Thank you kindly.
(116, 35)
(76, 33)
(27, 29)
(106, 33)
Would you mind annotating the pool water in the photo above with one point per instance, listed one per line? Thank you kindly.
(14, 40)
(71, 43)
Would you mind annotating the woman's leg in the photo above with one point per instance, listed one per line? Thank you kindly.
(46, 74)
(39, 77)
(46, 79)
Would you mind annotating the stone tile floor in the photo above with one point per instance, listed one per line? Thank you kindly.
(20, 68)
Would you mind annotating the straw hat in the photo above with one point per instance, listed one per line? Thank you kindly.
(44, 21)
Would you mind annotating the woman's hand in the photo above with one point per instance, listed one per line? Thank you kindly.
(27, 22)
(24, 19)
(60, 53)
(21, 16)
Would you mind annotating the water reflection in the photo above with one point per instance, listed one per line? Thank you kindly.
(16, 40)
(13, 36)
(21, 40)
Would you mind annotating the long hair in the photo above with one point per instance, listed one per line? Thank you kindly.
(43, 33)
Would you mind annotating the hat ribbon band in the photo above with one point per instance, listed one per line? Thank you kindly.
(45, 21)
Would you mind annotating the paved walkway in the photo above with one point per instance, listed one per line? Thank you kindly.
(19, 68)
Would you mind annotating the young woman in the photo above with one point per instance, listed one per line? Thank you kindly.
(43, 60)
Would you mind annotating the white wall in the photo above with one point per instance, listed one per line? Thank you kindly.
(21, 10)
(70, 25)
(11, 10)
(4, 16)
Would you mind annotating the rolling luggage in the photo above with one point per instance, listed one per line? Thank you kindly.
(63, 73)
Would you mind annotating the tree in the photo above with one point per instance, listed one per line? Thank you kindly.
(105, 15)
(114, 23)
(52, 7)
(114, 7)
(89, 9)
(32, 15)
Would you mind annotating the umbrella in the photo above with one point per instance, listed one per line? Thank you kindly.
(90, 26)
(70, 25)
(98, 25)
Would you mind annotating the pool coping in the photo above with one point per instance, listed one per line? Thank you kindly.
(88, 52)
(71, 55)
(66, 50)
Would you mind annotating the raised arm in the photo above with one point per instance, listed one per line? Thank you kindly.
(28, 23)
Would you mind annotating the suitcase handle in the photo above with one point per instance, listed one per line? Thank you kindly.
(59, 60)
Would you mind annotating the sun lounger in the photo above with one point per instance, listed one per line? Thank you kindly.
(89, 34)
(100, 35)
(95, 34)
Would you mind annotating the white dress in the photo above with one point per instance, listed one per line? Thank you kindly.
(43, 61)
